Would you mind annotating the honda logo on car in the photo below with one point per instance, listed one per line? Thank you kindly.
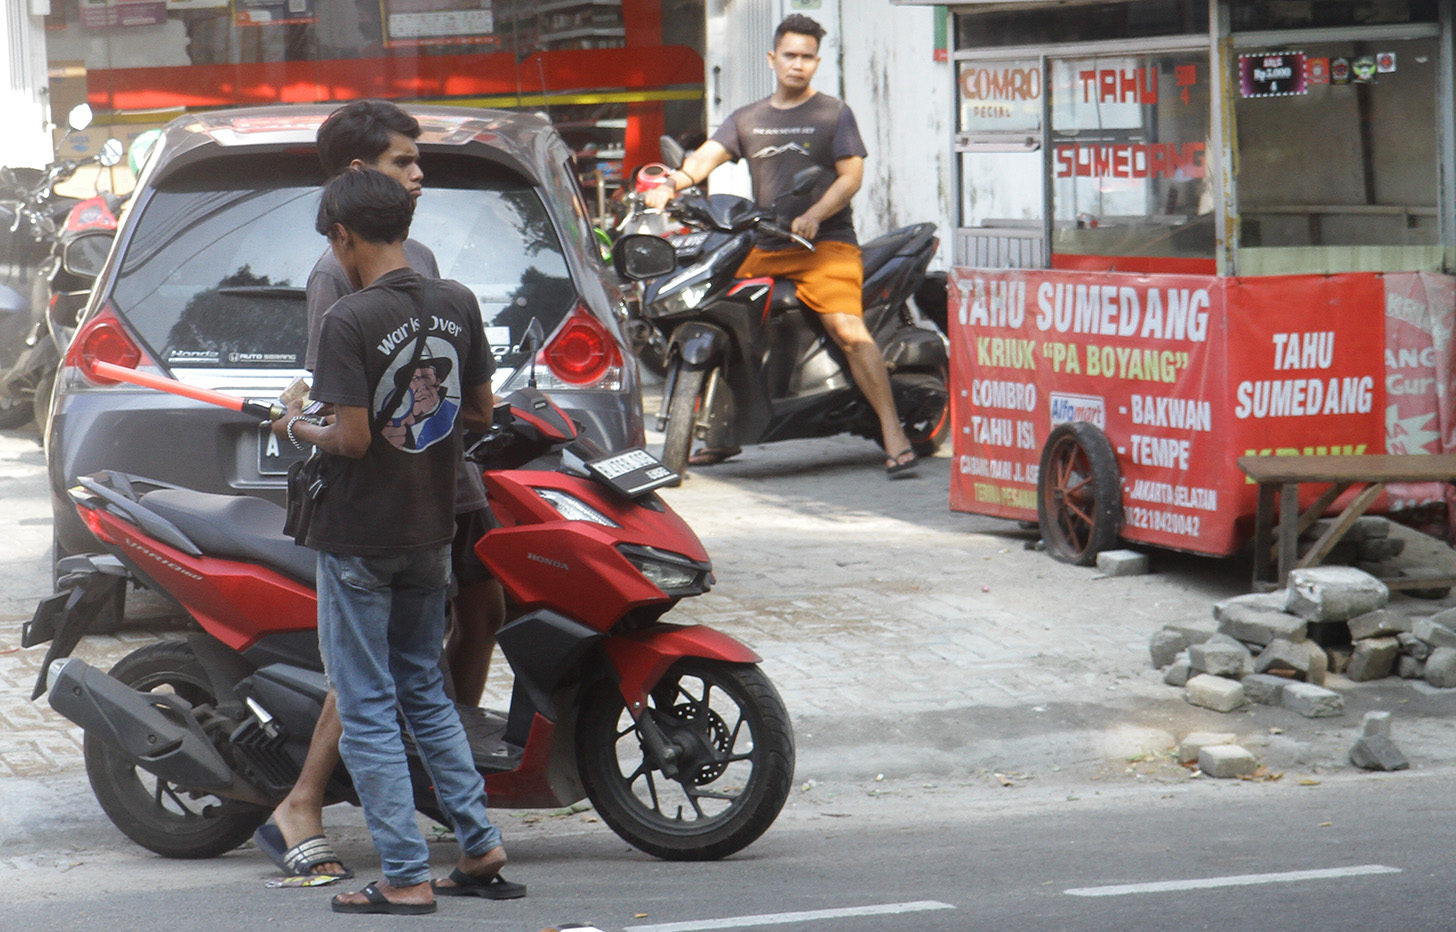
(1066, 407)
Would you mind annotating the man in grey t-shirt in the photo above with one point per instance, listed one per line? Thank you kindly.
(780, 135)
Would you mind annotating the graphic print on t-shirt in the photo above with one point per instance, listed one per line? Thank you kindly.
(421, 402)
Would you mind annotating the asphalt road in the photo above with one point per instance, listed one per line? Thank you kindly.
(1364, 854)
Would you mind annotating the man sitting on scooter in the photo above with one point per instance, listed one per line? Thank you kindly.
(780, 135)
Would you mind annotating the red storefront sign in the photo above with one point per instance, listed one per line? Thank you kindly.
(1183, 373)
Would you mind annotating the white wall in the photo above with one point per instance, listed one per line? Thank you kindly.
(23, 104)
(879, 59)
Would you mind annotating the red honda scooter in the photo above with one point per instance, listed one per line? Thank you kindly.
(673, 732)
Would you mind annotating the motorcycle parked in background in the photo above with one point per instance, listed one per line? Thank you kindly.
(672, 731)
(37, 230)
(748, 363)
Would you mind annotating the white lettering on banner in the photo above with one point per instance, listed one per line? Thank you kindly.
(993, 431)
(1304, 397)
(1185, 413)
(1165, 452)
(1001, 470)
(1165, 521)
(1410, 358)
(993, 304)
(1013, 396)
(1117, 310)
(1166, 493)
(1304, 350)
(1400, 385)
(1091, 409)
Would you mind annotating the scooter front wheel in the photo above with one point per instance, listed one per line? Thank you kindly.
(734, 751)
(682, 416)
(160, 816)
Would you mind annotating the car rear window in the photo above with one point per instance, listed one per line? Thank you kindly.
(215, 273)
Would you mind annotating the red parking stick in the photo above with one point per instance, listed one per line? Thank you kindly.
(172, 386)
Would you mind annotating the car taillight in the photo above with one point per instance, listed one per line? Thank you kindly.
(103, 338)
(583, 353)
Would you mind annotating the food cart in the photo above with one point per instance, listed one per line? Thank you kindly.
(1190, 232)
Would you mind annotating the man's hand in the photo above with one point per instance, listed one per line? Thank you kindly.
(806, 226)
(280, 426)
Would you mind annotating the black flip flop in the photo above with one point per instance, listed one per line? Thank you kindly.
(899, 470)
(379, 904)
(494, 887)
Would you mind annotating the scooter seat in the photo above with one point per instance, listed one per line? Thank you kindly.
(785, 296)
(906, 241)
(236, 526)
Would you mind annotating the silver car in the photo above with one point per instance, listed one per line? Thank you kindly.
(205, 284)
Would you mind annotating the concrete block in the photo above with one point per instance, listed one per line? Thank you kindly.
(1377, 752)
(1375, 723)
(1264, 688)
(1303, 660)
(1372, 659)
(1194, 634)
(1226, 760)
(1189, 747)
(1313, 701)
(1178, 671)
(1165, 645)
(1337, 658)
(1412, 646)
(1122, 563)
(1441, 667)
(1344, 553)
(1366, 527)
(1433, 632)
(1380, 549)
(1409, 668)
(1214, 692)
(1446, 618)
(1220, 655)
(1270, 601)
(1378, 624)
(1258, 624)
(1333, 593)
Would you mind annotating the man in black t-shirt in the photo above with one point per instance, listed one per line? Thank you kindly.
(383, 530)
(792, 129)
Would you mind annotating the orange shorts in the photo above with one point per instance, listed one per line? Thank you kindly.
(830, 280)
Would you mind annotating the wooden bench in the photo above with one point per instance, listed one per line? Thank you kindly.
(1282, 476)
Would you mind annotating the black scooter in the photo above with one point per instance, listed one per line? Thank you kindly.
(748, 363)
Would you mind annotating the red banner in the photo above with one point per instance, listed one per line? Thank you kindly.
(1183, 373)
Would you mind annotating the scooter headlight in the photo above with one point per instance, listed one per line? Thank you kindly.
(574, 509)
(679, 301)
(673, 573)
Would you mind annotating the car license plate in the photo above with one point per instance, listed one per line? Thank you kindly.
(275, 456)
(632, 473)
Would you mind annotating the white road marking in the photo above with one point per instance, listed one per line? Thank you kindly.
(1239, 880)
(775, 919)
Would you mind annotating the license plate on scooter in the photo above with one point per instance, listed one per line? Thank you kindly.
(632, 473)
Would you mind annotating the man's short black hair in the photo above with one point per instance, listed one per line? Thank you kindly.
(360, 130)
(799, 24)
(370, 203)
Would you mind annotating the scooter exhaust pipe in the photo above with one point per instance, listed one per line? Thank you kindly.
(156, 730)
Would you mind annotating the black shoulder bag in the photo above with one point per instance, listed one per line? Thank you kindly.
(309, 477)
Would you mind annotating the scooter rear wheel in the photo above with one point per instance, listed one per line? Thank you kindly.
(735, 750)
(160, 816)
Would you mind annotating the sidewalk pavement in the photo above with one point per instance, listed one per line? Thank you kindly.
(906, 640)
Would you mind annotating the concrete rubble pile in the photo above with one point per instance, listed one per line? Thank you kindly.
(1265, 651)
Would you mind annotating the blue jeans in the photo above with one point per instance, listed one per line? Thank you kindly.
(381, 629)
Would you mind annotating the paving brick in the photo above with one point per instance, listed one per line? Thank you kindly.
(1226, 760)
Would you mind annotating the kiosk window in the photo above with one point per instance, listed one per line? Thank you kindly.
(1349, 159)
(1130, 161)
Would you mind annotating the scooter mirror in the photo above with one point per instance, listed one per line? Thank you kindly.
(805, 179)
(79, 118)
(111, 153)
(638, 256)
(673, 153)
(84, 255)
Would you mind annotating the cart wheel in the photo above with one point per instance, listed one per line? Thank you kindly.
(1080, 493)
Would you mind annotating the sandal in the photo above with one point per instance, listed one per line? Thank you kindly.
(378, 903)
(302, 858)
(494, 887)
(712, 456)
(897, 467)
